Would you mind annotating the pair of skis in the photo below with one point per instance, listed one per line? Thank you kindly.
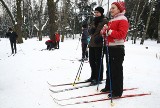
(57, 101)
(72, 88)
(99, 100)
(69, 89)
(12, 55)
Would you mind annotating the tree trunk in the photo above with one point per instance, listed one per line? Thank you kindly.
(51, 13)
(147, 24)
(158, 40)
(40, 20)
(133, 18)
(137, 21)
(19, 21)
(40, 35)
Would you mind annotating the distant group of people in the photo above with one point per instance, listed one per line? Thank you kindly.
(107, 37)
(53, 43)
(12, 35)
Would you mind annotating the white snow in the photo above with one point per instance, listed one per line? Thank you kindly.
(23, 77)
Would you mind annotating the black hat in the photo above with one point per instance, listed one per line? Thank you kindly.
(99, 9)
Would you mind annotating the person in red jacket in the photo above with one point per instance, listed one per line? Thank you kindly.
(57, 39)
(50, 44)
(114, 33)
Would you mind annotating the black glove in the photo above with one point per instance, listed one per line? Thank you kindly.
(98, 39)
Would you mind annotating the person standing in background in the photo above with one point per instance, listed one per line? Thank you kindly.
(12, 37)
(84, 40)
(57, 39)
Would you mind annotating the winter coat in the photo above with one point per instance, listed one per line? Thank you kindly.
(51, 41)
(116, 30)
(85, 36)
(95, 32)
(12, 36)
(57, 37)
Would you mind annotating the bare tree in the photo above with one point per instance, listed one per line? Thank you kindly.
(65, 20)
(17, 20)
(138, 20)
(135, 21)
(148, 20)
(8, 11)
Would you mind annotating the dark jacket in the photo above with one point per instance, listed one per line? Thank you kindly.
(95, 31)
(12, 36)
(85, 36)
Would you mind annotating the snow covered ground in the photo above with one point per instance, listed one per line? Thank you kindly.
(23, 77)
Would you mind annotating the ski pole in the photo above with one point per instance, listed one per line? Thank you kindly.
(109, 73)
(99, 73)
(78, 43)
(79, 71)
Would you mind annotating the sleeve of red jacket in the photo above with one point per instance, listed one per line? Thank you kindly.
(121, 32)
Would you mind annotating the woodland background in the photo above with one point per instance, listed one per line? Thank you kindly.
(37, 18)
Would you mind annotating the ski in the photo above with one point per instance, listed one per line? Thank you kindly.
(95, 94)
(43, 49)
(79, 60)
(103, 99)
(14, 54)
(10, 55)
(65, 84)
(46, 49)
(69, 89)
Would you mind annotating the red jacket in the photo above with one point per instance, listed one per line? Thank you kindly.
(57, 37)
(116, 30)
(50, 41)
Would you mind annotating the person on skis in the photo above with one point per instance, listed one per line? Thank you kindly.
(96, 47)
(85, 40)
(115, 33)
(12, 37)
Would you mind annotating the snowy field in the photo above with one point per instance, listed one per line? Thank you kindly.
(23, 77)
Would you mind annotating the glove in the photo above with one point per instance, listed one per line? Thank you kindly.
(108, 32)
(103, 30)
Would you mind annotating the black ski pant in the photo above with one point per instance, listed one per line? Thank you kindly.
(84, 50)
(13, 46)
(115, 67)
(95, 54)
(57, 44)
